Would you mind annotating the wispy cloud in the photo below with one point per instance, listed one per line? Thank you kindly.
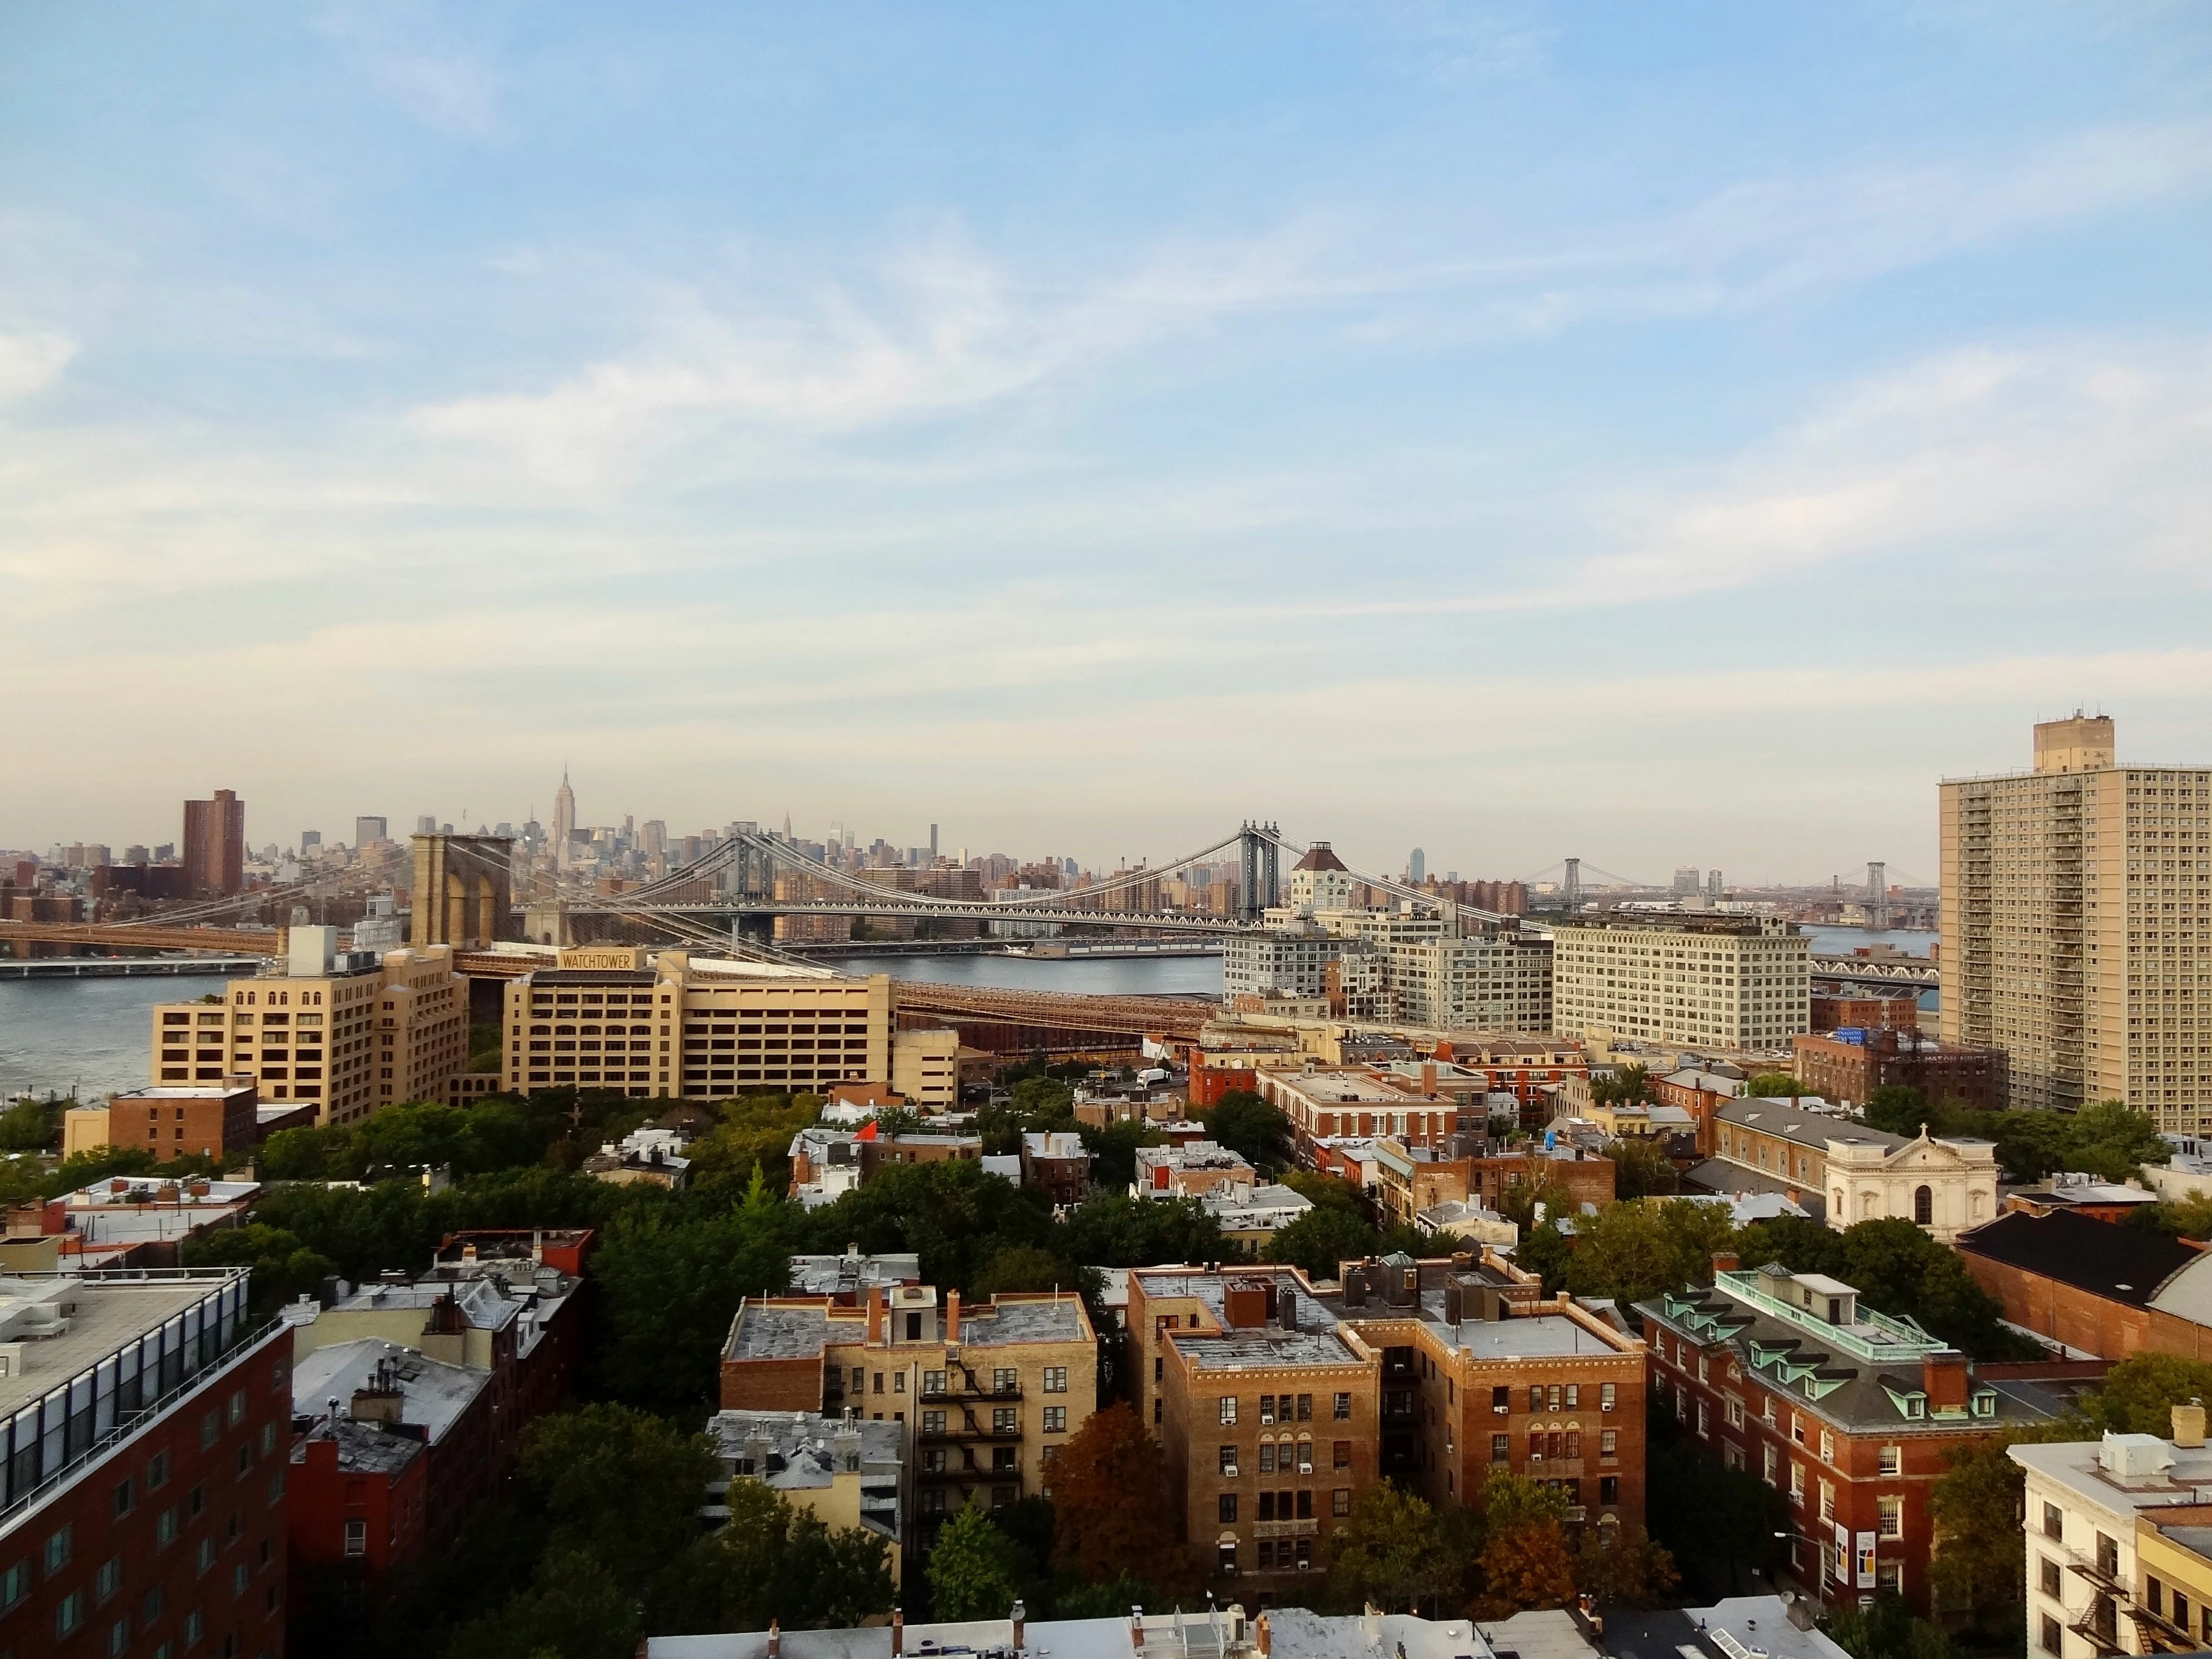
(407, 52)
(32, 362)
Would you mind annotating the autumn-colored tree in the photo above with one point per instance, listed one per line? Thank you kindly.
(1110, 1495)
(1525, 1560)
(1975, 1506)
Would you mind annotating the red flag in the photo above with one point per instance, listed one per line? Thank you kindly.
(867, 1131)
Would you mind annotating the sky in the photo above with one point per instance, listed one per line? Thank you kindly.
(1658, 434)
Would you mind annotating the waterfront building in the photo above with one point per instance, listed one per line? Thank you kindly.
(347, 1031)
(1732, 983)
(608, 1016)
(214, 845)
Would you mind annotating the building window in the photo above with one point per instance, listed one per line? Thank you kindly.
(356, 1538)
(2047, 1636)
(1227, 1507)
(1827, 1502)
(2048, 1579)
(1228, 1461)
(1735, 1413)
(1229, 1411)
(1892, 1460)
(70, 1613)
(1891, 1513)
(1827, 1446)
(1340, 1501)
(1501, 1400)
(1055, 1379)
(1343, 1411)
(1225, 1560)
(1923, 1206)
(1704, 1424)
(1770, 1461)
(59, 1547)
(1342, 1458)
(1500, 1449)
(1608, 1393)
(1003, 1420)
(1055, 1420)
(2054, 1523)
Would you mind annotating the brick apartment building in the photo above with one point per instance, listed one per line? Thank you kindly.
(1844, 1411)
(143, 1479)
(1411, 1179)
(989, 1394)
(1866, 1011)
(1850, 1068)
(1277, 1404)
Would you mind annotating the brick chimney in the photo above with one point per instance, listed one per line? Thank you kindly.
(1945, 1376)
(1725, 1262)
(775, 1638)
(1263, 1637)
(952, 1315)
(898, 1632)
(1020, 1616)
(876, 1323)
(2188, 1426)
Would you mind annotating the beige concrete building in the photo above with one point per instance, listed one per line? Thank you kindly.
(608, 1017)
(348, 1031)
(1715, 980)
(2077, 926)
(987, 1395)
(926, 1069)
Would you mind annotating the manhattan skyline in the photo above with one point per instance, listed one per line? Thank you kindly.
(1502, 429)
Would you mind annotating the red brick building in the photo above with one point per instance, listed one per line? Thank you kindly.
(144, 1475)
(1827, 1011)
(1845, 1412)
(1850, 1069)
(1277, 1404)
(2075, 1279)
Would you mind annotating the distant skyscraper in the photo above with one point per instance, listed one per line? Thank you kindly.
(933, 844)
(1417, 867)
(1686, 879)
(310, 839)
(2073, 900)
(215, 844)
(564, 820)
(1712, 883)
(427, 824)
(368, 829)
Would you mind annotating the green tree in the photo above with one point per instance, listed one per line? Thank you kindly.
(30, 1125)
(1634, 1252)
(2138, 1395)
(309, 1154)
(1640, 1169)
(283, 1267)
(1625, 1085)
(1622, 1566)
(1112, 1230)
(574, 1609)
(1717, 1522)
(974, 1569)
(1246, 1124)
(1327, 1192)
(1545, 1252)
(1321, 1239)
(1974, 1507)
(669, 1284)
(1518, 1202)
(1390, 1552)
(619, 1486)
(1775, 1085)
(1899, 1108)
(1113, 1151)
(1898, 1269)
(1024, 1267)
(953, 1214)
(1887, 1630)
(2112, 1139)
(773, 1562)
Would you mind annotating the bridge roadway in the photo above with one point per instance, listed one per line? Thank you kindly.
(1172, 921)
(1867, 970)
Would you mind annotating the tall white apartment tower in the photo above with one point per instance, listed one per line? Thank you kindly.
(2077, 926)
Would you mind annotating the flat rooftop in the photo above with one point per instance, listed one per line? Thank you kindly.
(110, 1313)
(998, 1324)
(770, 1330)
(435, 1393)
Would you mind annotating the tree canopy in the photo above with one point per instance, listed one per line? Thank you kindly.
(1390, 1552)
(1246, 1124)
(1109, 1489)
(974, 1569)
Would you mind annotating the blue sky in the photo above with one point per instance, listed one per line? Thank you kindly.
(1659, 434)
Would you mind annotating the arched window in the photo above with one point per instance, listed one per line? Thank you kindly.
(1923, 1206)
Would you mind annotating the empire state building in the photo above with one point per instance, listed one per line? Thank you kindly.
(564, 821)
